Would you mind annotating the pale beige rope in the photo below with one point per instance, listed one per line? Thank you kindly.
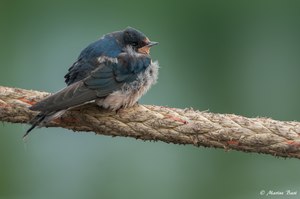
(179, 126)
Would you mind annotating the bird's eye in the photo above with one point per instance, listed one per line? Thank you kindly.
(134, 43)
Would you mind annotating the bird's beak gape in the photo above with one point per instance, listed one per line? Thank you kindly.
(146, 49)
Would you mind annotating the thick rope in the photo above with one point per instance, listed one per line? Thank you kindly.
(171, 125)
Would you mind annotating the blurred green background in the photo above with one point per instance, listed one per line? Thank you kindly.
(239, 57)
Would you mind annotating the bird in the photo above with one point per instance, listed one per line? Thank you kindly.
(114, 72)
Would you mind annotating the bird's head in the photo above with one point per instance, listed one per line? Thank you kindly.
(137, 40)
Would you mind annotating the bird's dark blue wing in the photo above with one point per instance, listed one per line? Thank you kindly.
(108, 77)
(87, 60)
(78, 71)
(114, 75)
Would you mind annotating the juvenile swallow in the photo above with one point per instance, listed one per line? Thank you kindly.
(114, 71)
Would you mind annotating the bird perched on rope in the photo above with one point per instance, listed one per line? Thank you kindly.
(115, 71)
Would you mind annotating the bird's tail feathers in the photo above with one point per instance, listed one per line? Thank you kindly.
(42, 118)
(35, 122)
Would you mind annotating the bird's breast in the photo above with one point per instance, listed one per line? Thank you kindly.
(131, 92)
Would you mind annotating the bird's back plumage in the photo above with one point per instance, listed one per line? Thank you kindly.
(87, 60)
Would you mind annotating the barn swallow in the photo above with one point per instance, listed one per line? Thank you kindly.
(114, 71)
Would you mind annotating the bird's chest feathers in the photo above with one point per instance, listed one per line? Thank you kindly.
(130, 93)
